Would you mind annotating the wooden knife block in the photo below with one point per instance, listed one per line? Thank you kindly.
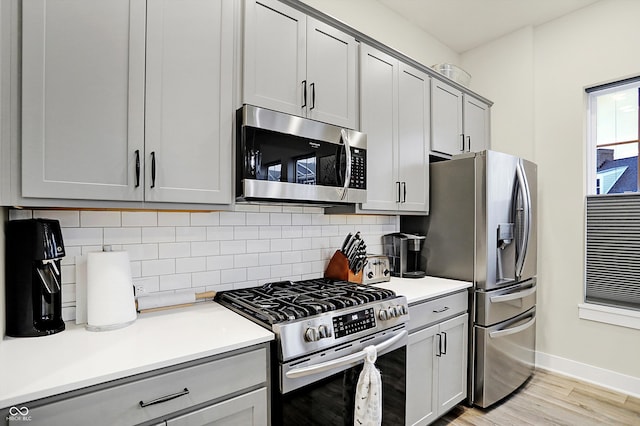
(338, 269)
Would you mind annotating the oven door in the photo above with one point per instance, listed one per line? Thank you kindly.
(324, 390)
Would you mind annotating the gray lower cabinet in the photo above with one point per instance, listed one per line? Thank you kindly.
(228, 390)
(436, 357)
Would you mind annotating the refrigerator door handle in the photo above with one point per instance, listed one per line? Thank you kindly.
(514, 330)
(526, 200)
(512, 296)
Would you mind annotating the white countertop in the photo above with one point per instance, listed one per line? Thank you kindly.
(36, 367)
(417, 290)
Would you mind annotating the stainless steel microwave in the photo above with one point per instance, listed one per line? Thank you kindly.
(281, 157)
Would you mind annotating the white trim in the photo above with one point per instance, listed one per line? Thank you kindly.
(612, 380)
(609, 315)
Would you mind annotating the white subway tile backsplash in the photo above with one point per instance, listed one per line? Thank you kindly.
(191, 264)
(270, 232)
(175, 282)
(228, 276)
(165, 234)
(141, 251)
(201, 251)
(232, 218)
(99, 218)
(280, 218)
(122, 235)
(67, 218)
(233, 247)
(191, 233)
(246, 232)
(257, 218)
(174, 250)
(82, 236)
(245, 260)
(205, 219)
(208, 278)
(258, 246)
(219, 233)
(300, 219)
(158, 267)
(220, 262)
(205, 248)
(174, 219)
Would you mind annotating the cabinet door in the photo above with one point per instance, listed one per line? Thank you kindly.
(249, 409)
(331, 75)
(188, 101)
(379, 120)
(452, 364)
(422, 377)
(83, 70)
(274, 56)
(413, 139)
(446, 119)
(476, 124)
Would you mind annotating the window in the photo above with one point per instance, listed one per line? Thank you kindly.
(614, 138)
(612, 254)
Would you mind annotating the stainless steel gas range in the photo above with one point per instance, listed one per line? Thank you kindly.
(322, 327)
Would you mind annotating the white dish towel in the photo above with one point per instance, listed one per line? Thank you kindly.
(368, 409)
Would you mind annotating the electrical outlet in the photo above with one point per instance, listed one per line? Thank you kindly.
(139, 288)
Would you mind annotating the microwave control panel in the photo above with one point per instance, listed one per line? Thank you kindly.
(358, 169)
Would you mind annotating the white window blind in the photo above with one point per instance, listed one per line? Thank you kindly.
(613, 250)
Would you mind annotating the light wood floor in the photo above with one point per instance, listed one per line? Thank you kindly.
(551, 399)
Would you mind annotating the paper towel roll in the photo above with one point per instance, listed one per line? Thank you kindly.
(110, 301)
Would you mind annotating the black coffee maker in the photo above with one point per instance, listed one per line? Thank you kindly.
(33, 277)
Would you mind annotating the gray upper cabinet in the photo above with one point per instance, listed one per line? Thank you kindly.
(460, 122)
(127, 100)
(298, 65)
(395, 116)
(82, 98)
(189, 119)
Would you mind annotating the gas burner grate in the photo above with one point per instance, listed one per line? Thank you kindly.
(283, 301)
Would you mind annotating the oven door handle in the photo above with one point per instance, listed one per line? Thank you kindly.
(349, 359)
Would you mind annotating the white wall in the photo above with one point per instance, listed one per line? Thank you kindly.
(540, 113)
(380, 23)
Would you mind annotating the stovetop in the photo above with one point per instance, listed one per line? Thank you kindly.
(283, 301)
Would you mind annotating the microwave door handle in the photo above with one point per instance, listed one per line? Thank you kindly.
(347, 174)
(526, 200)
(346, 360)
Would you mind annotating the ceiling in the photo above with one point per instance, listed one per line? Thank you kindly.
(465, 24)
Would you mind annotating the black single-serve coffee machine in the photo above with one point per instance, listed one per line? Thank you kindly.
(33, 277)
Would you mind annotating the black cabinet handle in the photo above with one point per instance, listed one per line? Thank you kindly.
(165, 398)
(444, 340)
(137, 168)
(304, 93)
(313, 95)
(153, 169)
(462, 137)
(439, 346)
(469, 143)
(398, 184)
(404, 195)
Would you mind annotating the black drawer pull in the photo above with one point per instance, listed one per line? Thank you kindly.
(165, 398)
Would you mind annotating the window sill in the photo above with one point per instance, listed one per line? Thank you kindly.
(607, 314)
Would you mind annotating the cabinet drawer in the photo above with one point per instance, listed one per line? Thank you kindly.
(436, 310)
(120, 404)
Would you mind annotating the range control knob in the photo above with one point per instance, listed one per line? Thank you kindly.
(324, 331)
(370, 274)
(403, 309)
(383, 315)
(385, 272)
(311, 334)
(393, 312)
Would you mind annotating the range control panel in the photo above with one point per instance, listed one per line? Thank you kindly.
(354, 322)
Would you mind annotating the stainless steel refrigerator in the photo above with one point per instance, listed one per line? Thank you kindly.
(482, 228)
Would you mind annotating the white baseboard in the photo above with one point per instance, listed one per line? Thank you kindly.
(588, 373)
